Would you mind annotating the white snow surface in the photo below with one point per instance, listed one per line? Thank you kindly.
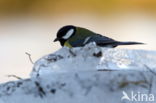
(89, 74)
(93, 58)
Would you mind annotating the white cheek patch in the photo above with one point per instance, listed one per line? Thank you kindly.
(68, 34)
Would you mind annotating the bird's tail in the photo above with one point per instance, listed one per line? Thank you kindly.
(129, 43)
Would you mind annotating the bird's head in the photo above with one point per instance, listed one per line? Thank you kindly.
(65, 33)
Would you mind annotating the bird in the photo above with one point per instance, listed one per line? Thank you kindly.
(74, 36)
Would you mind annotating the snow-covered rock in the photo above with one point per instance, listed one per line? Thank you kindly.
(89, 74)
(93, 58)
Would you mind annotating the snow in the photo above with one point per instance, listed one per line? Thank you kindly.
(93, 58)
(89, 74)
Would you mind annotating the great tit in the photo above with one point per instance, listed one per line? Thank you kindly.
(73, 36)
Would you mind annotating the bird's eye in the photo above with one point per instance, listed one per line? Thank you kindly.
(68, 34)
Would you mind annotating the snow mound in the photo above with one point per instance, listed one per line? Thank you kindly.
(89, 74)
(93, 58)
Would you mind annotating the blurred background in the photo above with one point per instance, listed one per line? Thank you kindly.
(31, 26)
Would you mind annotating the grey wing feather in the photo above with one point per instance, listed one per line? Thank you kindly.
(98, 39)
(102, 40)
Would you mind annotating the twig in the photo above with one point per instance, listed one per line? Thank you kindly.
(15, 76)
(152, 71)
(150, 85)
(40, 89)
(29, 55)
(151, 80)
(72, 53)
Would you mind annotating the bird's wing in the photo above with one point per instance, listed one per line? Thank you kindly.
(98, 39)
(101, 40)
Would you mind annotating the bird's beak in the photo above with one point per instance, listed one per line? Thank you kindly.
(56, 39)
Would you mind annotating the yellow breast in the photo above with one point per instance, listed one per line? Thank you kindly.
(67, 44)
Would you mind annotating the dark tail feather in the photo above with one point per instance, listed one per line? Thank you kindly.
(129, 43)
